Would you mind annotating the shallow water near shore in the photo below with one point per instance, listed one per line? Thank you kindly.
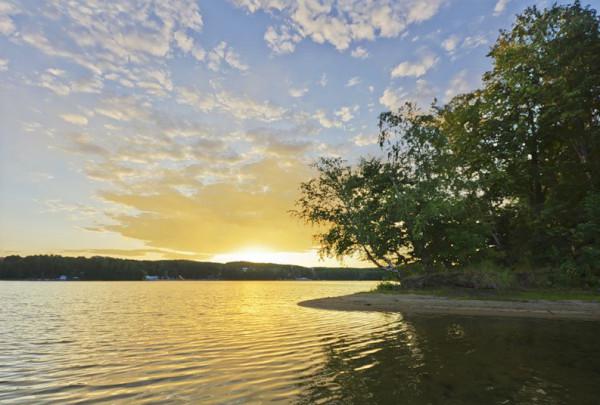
(249, 342)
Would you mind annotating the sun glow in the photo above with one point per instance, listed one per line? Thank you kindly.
(250, 254)
(258, 254)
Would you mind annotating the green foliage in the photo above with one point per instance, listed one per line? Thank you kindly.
(507, 174)
(106, 268)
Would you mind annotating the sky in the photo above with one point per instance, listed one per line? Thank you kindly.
(183, 129)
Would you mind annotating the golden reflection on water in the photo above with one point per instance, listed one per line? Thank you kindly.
(238, 342)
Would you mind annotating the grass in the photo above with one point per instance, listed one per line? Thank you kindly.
(502, 295)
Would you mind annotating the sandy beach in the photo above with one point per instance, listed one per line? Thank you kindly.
(423, 304)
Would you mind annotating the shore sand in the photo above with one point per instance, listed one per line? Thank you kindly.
(424, 304)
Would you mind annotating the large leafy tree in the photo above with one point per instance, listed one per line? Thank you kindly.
(508, 172)
(404, 208)
(351, 206)
(531, 134)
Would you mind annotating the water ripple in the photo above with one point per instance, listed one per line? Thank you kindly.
(248, 342)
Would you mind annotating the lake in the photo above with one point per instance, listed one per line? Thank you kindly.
(248, 342)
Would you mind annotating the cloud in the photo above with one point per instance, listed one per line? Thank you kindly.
(75, 119)
(339, 23)
(282, 40)
(392, 99)
(137, 253)
(84, 144)
(500, 6)
(240, 107)
(345, 113)
(458, 85)
(321, 117)
(475, 41)
(249, 209)
(415, 69)
(298, 92)
(285, 144)
(56, 80)
(123, 43)
(422, 95)
(187, 45)
(359, 53)
(353, 81)
(122, 109)
(365, 140)
(7, 26)
(450, 43)
(453, 42)
(3, 65)
(224, 54)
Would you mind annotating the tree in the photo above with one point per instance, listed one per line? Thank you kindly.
(351, 204)
(507, 173)
(532, 133)
(405, 208)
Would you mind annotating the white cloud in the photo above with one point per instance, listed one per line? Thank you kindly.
(322, 118)
(185, 43)
(223, 53)
(360, 53)
(3, 65)
(122, 109)
(120, 42)
(458, 85)
(240, 107)
(91, 84)
(365, 140)
(339, 23)
(345, 113)
(450, 43)
(393, 99)
(474, 41)
(198, 53)
(75, 119)
(500, 6)
(281, 41)
(422, 95)
(353, 81)
(298, 92)
(52, 80)
(7, 26)
(415, 69)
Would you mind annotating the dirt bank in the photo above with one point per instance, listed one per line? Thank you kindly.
(410, 303)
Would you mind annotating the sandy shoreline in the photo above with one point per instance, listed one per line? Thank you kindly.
(423, 304)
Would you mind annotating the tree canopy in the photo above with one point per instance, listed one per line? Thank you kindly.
(506, 173)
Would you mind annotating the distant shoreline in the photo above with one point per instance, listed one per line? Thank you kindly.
(426, 304)
(191, 279)
(66, 268)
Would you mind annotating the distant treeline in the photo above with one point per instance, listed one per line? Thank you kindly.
(108, 268)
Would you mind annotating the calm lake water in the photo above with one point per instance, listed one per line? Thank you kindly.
(248, 342)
